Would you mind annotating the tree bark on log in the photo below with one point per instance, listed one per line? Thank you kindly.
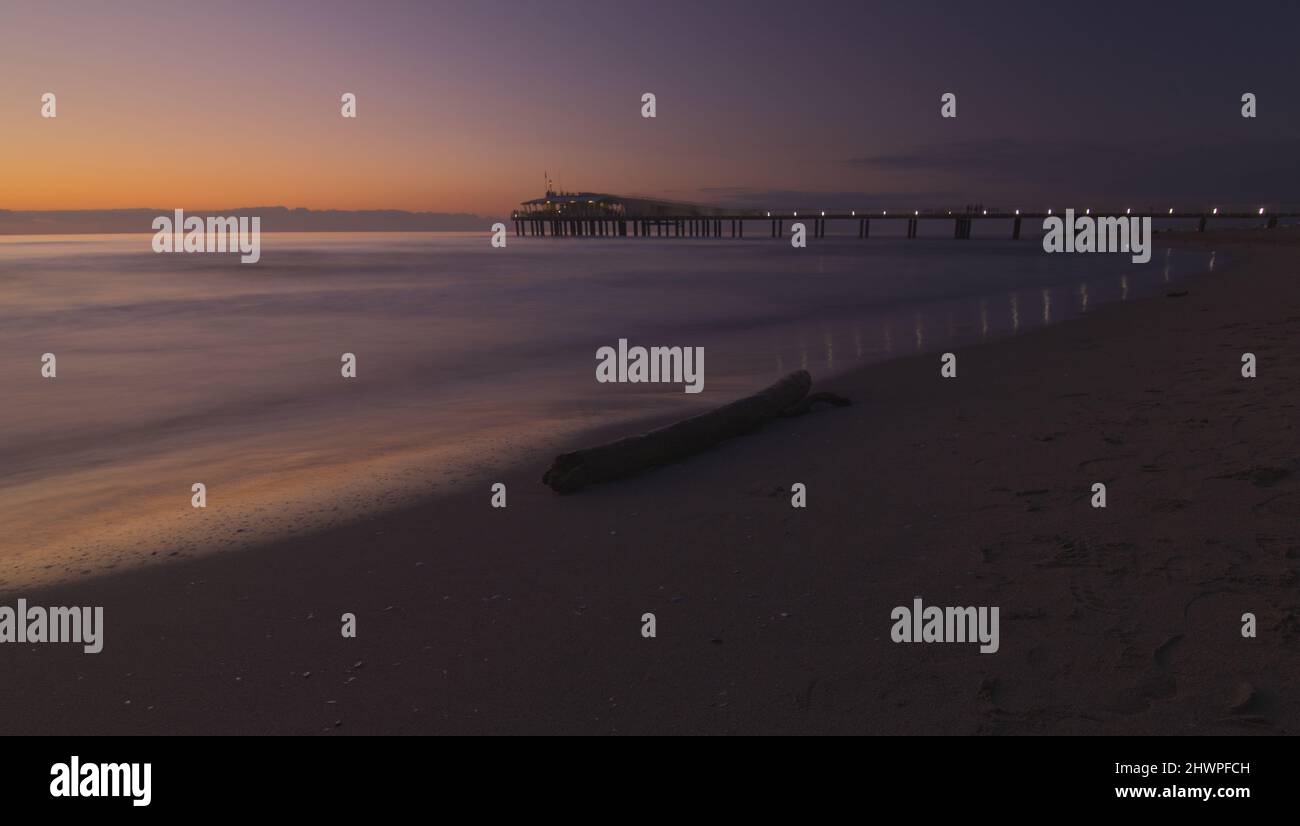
(573, 471)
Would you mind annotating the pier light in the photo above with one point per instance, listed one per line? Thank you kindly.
(769, 213)
(1088, 211)
(986, 212)
(1261, 210)
(823, 213)
(854, 213)
(884, 212)
(916, 212)
(796, 215)
(1128, 211)
(1017, 212)
(1171, 210)
(1216, 210)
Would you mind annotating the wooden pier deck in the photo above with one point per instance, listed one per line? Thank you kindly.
(773, 224)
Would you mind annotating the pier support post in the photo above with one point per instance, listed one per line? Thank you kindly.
(1015, 229)
(1200, 227)
(780, 229)
(1272, 222)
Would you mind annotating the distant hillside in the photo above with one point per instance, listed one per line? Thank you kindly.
(274, 219)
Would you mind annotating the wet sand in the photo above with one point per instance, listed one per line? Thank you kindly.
(973, 491)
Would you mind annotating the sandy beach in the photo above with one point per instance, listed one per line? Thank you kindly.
(771, 619)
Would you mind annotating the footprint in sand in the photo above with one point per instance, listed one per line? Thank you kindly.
(1156, 685)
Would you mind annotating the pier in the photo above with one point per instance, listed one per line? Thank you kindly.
(597, 215)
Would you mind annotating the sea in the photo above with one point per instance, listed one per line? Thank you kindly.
(175, 370)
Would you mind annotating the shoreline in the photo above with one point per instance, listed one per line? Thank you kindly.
(773, 619)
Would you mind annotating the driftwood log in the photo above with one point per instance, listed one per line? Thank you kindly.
(788, 397)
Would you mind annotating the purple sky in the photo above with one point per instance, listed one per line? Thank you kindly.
(826, 104)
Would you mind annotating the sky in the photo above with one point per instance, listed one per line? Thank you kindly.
(462, 106)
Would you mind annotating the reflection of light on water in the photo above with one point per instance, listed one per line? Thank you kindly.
(830, 350)
(984, 320)
(1123, 288)
(1212, 254)
(1168, 252)
(1083, 297)
(1047, 306)
(920, 331)
(1015, 312)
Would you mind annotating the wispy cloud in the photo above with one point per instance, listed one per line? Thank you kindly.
(1246, 170)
